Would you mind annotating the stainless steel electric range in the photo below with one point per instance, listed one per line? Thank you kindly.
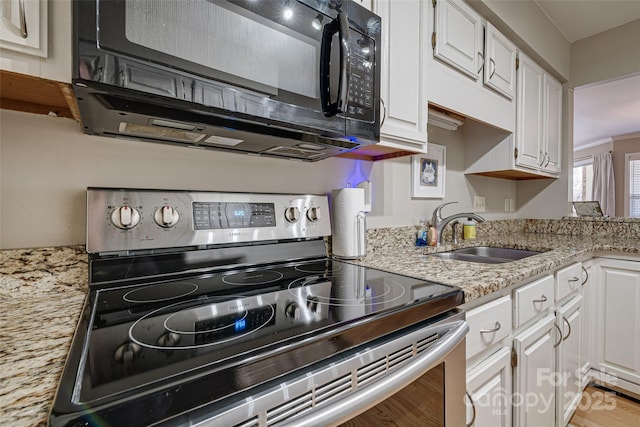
(211, 308)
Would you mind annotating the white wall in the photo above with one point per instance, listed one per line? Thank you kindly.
(46, 164)
(607, 55)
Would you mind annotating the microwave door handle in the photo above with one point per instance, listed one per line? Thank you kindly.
(339, 25)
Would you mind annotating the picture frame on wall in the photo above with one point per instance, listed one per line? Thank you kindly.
(428, 172)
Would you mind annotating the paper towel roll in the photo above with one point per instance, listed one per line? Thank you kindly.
(348, 235)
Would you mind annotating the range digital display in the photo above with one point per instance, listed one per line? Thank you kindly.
(224, 215)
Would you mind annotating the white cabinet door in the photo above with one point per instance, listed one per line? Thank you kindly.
(552, 141)
(499, 62)
(23, 26)
(534, 374)
(458, 36)
(569, 321)
(618, 303)
(529, 129)
(587, 340)
(404, 84)
(489, 385)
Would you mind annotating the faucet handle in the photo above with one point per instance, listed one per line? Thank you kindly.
(437, 216)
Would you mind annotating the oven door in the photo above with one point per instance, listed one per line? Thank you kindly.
(416, 377)
(428, 392)
(303, 56)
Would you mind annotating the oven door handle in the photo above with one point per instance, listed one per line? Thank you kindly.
(372, 394)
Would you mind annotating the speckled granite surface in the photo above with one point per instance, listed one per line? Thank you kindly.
(41, 296)
(42, 291)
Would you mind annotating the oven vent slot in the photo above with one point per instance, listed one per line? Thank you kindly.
(399, 356)
(333, 389)
(371, 371)
(425, 343)
(290, 408)
(252, 422)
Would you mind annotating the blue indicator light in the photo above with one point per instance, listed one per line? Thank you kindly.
(240, 325)
(238, 213)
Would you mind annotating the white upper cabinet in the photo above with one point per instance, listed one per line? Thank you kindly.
(499, 62)
(538, 118)
(458, 37)
(23, 26)
(529, 114)
(48, 59)
(459, 76)
(552, 111)
(403, 85)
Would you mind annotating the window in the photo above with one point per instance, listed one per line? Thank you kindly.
(632, 185)
(582, 179)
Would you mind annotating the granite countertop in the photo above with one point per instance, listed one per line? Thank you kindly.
(477, 280)
(41, 296)
(43, 290)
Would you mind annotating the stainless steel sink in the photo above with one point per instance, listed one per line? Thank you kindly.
(485, 254)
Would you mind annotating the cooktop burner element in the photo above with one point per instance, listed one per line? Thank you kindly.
(176, 328)
(160, 292)
(184, 317)
(321, 267)
(259, 277)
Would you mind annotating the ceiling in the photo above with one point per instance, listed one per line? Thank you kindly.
(601, 110)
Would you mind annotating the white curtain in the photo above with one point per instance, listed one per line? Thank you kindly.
(604, 186)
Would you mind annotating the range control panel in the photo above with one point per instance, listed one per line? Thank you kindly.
(131, 219)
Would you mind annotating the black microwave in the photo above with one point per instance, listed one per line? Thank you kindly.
(287, 78)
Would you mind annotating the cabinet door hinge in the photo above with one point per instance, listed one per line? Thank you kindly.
(434, 3)
(433, 40)
(515, 153)
(517, 63)
(514, 358)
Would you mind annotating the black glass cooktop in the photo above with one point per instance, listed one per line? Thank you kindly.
(240, 328)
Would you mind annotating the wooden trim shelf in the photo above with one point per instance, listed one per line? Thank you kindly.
(32, 94)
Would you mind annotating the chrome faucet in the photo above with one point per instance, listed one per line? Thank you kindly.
(440, 223)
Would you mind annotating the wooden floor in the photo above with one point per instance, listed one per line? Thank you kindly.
(599, 408)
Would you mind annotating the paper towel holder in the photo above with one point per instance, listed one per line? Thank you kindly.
(366, 186)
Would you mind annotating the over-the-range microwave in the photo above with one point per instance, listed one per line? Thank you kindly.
(287, 78)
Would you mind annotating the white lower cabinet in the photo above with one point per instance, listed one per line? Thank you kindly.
(618, 321)
(534, 389)
(587, 341)
(489, 388)
(569, 359)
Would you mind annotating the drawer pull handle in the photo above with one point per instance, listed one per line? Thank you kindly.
(568, 326)
(495, 329)
(586, 278)
(574, 279)
(542, 299)
(559, 333)
(473, 406)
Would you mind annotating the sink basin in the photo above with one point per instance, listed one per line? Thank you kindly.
(485, 254)
(504, 253)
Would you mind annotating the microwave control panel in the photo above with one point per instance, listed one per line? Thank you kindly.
(361, 85)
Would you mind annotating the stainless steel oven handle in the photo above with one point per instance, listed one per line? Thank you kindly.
(372, 394)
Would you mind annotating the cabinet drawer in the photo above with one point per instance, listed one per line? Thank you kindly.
(532, 299)
(568, 279)
(488, 324)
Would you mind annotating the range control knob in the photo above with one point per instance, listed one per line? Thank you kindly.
(127, 352)
(313, 214)
(292, 214)
(313, 304)
(125, 217)
(166, 216)
(293, 311)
